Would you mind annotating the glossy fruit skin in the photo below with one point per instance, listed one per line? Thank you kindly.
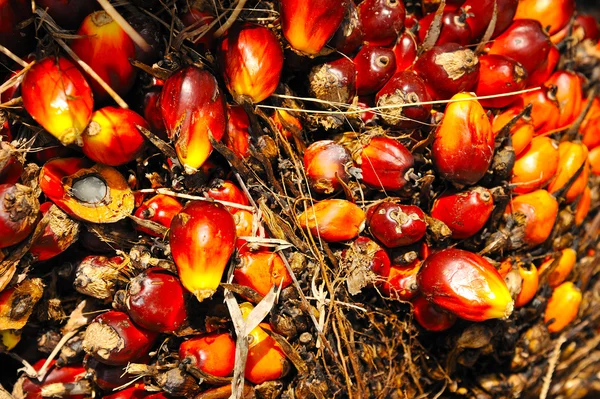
(543, 73)
(374, 67)
(499, 75)
(112, 137)
(333, 220)
(384, 162)
(583, 206)
(396, 225)
(261, 270)
(251, 60)
(226, 190)
(350, 35)
(405, 51)
(569, 96)
(464, 143)
(160, 209)
(589, 24)
(447, 70)
(63, 111)
(465, 284)
(401, 283)
(539, 210)
(68, 14)
(454, 27)
(202, 238)
(465, 212)
(404, 88)
(237, 135)
(550, 13)
(113, 339)
(58, 235)
(590, 127)
(106, 48)
(308, 25)
(326, 161)
(526, 42)
(545, 110)
(333, 81)
(536, 165)
(566, 263)
(430, 317)
(594, 158)
(482, 11)
(155, 300)
(522, 131)
(66, 374)
(19, 210)
(563, 306)
(213, 353)
(529, 286)
(572, 155)
(382, 21)
(193, 106)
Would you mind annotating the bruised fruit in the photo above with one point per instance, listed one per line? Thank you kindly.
(365, 264)
(334, 81)
(213, 353)
(529, 285)
(59, 234)
(19, 210)
(333, 220)
(404, 101)
(465, 284)
(396, 225)
(562, 307)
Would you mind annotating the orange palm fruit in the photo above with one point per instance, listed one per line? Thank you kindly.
(521, 133)
(583, 206)
(590, 127)
(572, 156)
(333, 220)
(63, 110)
(536, 211)
(562, 307)
(554, 14)
(106, 48)
(529, 286)
(569, 96)
(213, 353)
(308, 25)
(594, 158)
(536, 165)
(326, 163)
(464, 143)
(545, 110)
(543, 73)
(251, 60)
(244, 221)
(286, 123)
(237, 135)
(160, 209)
(401, 282)
(261, 270)
(562, 267)
(465, 284)
(202, 238)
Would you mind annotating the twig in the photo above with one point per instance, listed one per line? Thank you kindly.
(132, 33)
(170, 193)
(552, 366)
(232, 18)
(42, 373)
(13, 56)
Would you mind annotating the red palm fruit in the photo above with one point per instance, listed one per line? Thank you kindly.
(571, 156)
(367, 258)
(226, 190)
(464, 143)
(465, 212)
(244, 224)
(403, 90)
(529, 286)
(526, 42)
(11, 163)
(499, 75)
(536, 165)
(155, 300)
(112, 137)
(308, 25)
(59, 234)
(251, 59)
(569, 96)
(349, 35)
(583, 206)
(594, 158)
(537, 212)
(562, 307)
(522, 131)
(104, 376)
(481, 14)
(552, 15)
(195, 19)
(382, 21)
(266, 361)
(237, 135)
(193, 106)
(590, 127)
(213, 353)
(261, 270)
(401, 282)
(94, 193)
(543, 73)
(136, 391)
(19, 210)
(429, 6)
(160, 209)
(333, 81)
(589, 25)
(430, 317)
(106, 48)
(63, 110)
(202, 238)
(561, 267)
(32, 388)
(374, 67)
(396, 225)
(448, 69)
(333, 220)
(68, 14)
(17, 38)
(405, 51)
(384, 161)
(326, 164)
(544, 112)
(454, 27)
(465, 284)
(113, 339)
(148, 106)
